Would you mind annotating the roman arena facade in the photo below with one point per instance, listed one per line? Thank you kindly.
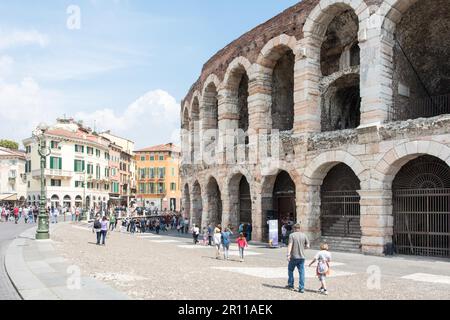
(350, 99)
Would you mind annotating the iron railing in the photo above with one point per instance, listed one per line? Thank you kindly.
(421, 108)
(422, 222)
(340, 214)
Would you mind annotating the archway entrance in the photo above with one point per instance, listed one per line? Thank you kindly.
(284, 204)
(186, 205)
(214, 202)
(421, 203)
(245, 202)
(340, 204)
(197, 204)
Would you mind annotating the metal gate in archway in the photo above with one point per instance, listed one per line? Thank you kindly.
(421, 207)
(340, 204)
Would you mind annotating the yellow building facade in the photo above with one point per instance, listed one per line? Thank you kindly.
(157, 177)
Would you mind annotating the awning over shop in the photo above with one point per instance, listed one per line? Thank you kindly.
(8, 197)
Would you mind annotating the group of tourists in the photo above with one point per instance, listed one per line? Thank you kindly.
(14, 213)
(221, 238)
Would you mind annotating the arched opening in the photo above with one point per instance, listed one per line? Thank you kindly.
(283, 92)
(421, 79)
(421, 207)
(284, 208)
(341, 104)
(197, 204)
(210, 120)
(340, 213)
(210, 117)
(186, 205)
(54, 201)
(67, 202)
(339, 62)
(195, 130)
(240, 201)
(78, 201)
(214, 202)
(186, 137)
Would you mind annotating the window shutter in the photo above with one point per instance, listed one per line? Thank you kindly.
(60, 163)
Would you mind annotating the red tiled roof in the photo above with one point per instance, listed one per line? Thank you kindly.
(76, 135)
(14, 153)
(170, 147)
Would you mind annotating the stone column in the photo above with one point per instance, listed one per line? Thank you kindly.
(259, 205)
(228, 122)
(308, 214)
(376, 72)
(307, 75)
(377, 221)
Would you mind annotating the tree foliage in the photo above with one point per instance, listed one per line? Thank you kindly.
(9, 144)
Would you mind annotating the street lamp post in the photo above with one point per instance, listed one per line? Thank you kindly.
(43, 225)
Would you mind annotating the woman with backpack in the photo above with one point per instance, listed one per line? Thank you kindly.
(97, 228)
(323, 259)
(226, 235)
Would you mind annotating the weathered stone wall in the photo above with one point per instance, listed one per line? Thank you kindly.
(375, 149)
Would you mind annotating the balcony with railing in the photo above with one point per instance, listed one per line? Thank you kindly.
(420, 108)
(53, 173)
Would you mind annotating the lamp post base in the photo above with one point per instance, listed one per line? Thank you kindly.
(42, 236)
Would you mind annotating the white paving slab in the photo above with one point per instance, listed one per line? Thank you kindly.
(278, 273)
(165, 241)
(430, 278)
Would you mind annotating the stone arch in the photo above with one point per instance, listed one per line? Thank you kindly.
(238, 65)
(275, 49)
(240, 208)
(194, 130)
(213, 197)
(212, 79)
(268, 201)
(196, 204)
(322, 164)
(312, 54)
(278, 59)
(319, 18)
(417, 67)
(186, 201)
(392, 162)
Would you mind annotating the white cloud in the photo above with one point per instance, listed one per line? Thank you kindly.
(23, 106)
(152, 119)
(22, 38)
(6, 65)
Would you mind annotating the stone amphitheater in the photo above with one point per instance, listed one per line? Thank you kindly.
(349, 102)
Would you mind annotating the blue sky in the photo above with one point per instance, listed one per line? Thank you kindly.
(131, 61)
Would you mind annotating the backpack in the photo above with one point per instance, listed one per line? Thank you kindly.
(323, 267)
(97, 224)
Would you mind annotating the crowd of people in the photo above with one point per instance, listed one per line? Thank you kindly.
(15, 213)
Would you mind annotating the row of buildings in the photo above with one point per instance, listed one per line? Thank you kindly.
(91, 170)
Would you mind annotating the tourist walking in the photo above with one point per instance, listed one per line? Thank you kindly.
(16, 214)
(217, 241)
(205, 236)
(323, 259)
(112, 221)
(226, 235)
(97, 229)
(104, 229)
(298, 242)
(242, 244)
(195, 233)
(249, 232)
(210, 235)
